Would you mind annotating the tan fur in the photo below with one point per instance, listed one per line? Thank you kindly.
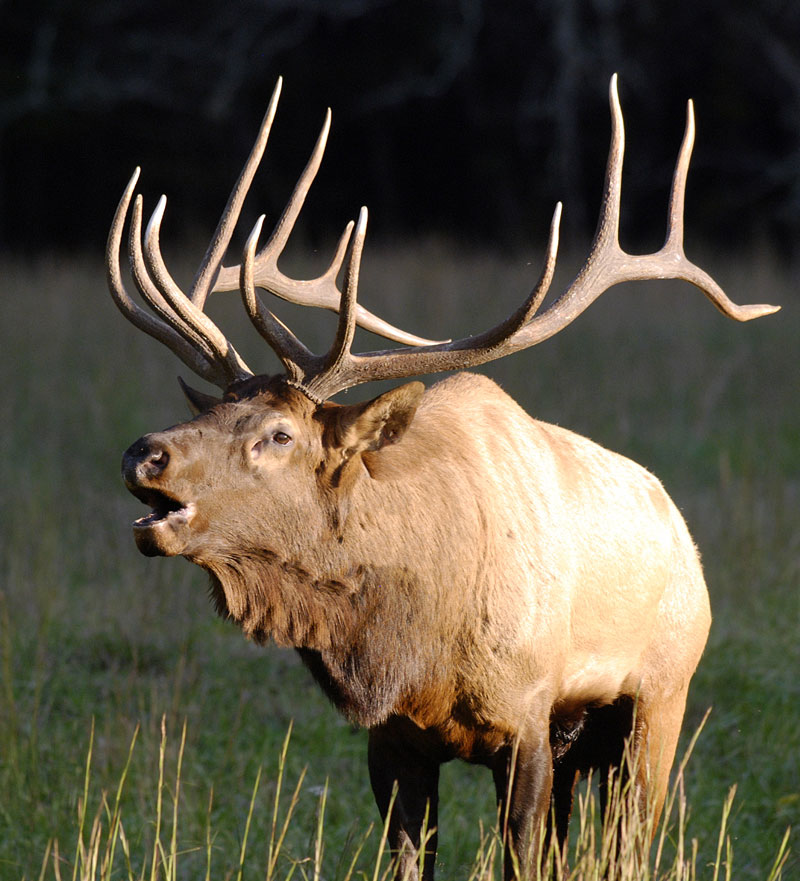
(566, 550)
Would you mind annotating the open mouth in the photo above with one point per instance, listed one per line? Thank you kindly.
(164, 507)
(165, 530)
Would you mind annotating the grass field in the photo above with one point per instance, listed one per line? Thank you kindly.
(99, 645)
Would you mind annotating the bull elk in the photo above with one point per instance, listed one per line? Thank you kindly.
(464, 581)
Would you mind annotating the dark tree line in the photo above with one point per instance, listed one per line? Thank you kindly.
(470, 117)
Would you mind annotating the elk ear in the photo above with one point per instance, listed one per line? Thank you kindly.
(198, 402)
(375, 424)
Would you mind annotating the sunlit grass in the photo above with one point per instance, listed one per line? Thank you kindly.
(93, 637)
(104, 850)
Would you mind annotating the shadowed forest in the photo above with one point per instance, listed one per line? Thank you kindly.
(465, 117)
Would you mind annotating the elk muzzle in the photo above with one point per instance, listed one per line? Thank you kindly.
(166, 530)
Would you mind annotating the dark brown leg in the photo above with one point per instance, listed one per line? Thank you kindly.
(565, 776)
(523, 779)
(417, 780)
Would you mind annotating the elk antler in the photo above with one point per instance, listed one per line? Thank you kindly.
(608, 264)
(182, 325)
(179, 320)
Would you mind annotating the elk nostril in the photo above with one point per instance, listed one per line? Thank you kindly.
(155, 462)
(145, 460)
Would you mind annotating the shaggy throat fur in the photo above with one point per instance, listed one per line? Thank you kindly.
(271, 598)
(337, 625)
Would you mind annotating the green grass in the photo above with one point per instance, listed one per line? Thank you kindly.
(96, 638)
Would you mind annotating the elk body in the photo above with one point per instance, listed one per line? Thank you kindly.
(464, 581)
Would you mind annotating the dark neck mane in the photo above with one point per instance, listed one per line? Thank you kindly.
(276, 599)
(362, 636)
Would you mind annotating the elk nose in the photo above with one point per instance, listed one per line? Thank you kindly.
(145, 459)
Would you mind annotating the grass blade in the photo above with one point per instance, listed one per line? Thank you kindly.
(243, 850)
(82, 805)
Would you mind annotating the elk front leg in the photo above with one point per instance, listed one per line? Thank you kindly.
(523, 778)
(414, 810)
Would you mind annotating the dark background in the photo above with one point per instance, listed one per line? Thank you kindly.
(468, 117)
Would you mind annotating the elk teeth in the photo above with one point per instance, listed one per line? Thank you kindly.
(161, 512)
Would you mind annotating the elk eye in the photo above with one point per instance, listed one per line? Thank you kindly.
(261, 446)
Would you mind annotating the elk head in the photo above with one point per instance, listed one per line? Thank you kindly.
(266, 450)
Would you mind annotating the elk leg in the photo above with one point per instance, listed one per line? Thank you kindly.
(608, 730)
(415, 805)
(651, 728)
(658, 726)
(565, 776)
(523, 778)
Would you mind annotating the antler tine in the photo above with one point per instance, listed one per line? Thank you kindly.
(206, 274)
(150, 293)
(347, 310)
(605, 250)
(186, 311)
(339, 358)
(155, 327)
(283, 228)
(677, 195)
(294, 356)
(504, 331)
(608, 221)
